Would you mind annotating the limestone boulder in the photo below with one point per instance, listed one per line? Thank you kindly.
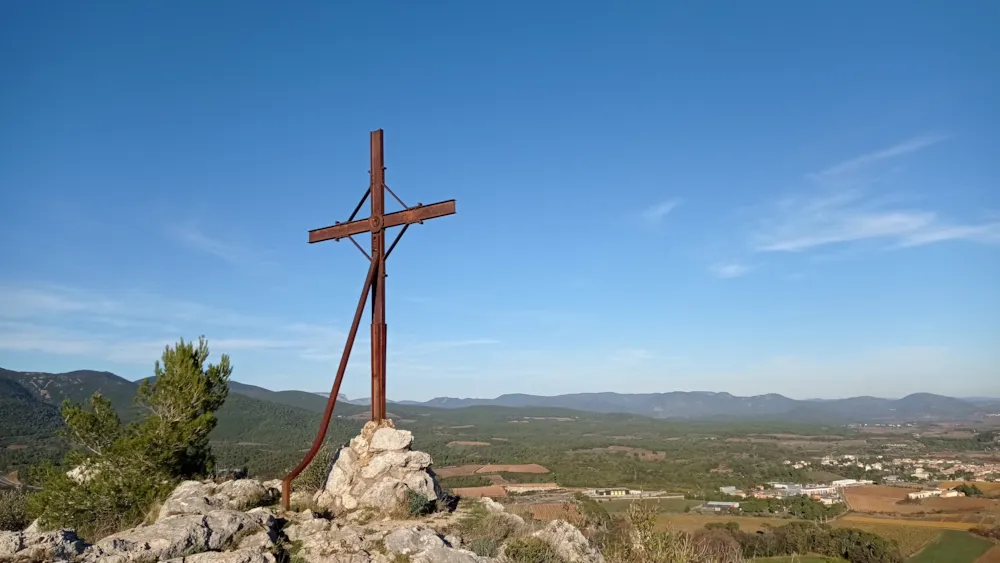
(17, 547)
(202, 497)
(177, 536)
(237, 556)
(378, 470)
(448, 555)
(410, 540)
(569, 543)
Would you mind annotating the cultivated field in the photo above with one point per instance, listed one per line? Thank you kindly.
(991, 556)
(853, 519)
(456, 470)
(663, 505)
(878, 498)
(987, 487)
(695, 522)
(460, 470)
(953, 547)
(492, 491)
(523, 468)
(911, 539)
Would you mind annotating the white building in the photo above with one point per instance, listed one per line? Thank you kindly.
(927, 493)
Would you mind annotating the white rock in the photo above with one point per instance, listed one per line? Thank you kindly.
(238, 556)
(39, 546)
(390, 439)
(448, 555)
(198, 497)
(382, 463)
(412, 539)
(375, 471)
(569, 543)
(386, 494)
(491, 505)
(176, 536)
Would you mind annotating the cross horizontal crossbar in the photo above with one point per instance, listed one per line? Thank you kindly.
(405, 217)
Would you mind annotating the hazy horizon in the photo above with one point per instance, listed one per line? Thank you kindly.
(787, 198)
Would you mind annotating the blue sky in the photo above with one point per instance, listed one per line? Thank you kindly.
(793, 197)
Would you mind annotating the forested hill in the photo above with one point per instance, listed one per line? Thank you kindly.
(30, 419)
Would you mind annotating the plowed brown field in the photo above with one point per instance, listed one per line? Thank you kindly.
(524, 468)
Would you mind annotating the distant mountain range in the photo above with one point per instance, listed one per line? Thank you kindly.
(50, 389)
(712, 405)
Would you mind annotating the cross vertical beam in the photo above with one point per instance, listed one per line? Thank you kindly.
(376, 224)
(378, 340)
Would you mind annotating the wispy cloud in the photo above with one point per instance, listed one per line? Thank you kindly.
(134, 329)
(654, 214)
(846, 208)
(729, 270)
(193, 236)
(858, 163)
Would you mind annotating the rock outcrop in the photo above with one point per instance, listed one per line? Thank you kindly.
(197, 497)
(205, 522)
(568, 543)
(40, 546)
(181, 535)
(377, 470)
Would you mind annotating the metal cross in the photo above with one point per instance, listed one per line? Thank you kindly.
(376, 224)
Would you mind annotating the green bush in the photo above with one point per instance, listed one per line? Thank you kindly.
(531, 550)
(314, 476)
(121, 472)
(418, 505)
(13, 510)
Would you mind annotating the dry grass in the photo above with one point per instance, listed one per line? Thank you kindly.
(961, 504)
(553, 511)
(880, 499)
(987, 487)
(695, 522)
(852, 519)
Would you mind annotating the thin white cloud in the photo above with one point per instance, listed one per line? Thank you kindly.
(729, 270)
(134, 329)
(654, 214)
(857, 163)
(194, 237)
(847, 209)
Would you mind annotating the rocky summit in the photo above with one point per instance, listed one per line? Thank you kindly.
(239, 521)
(378, 470)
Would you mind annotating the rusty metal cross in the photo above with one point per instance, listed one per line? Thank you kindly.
(376, 224)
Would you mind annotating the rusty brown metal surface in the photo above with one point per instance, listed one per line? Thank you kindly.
(377, 220)
(286, 483)
(376, 224)
(412, 215)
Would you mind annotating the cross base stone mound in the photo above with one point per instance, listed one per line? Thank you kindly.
(377, 470)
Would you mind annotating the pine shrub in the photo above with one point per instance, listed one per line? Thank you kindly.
(121, 472)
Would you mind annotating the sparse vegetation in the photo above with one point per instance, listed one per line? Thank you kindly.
(13, 510)
(531, 550)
